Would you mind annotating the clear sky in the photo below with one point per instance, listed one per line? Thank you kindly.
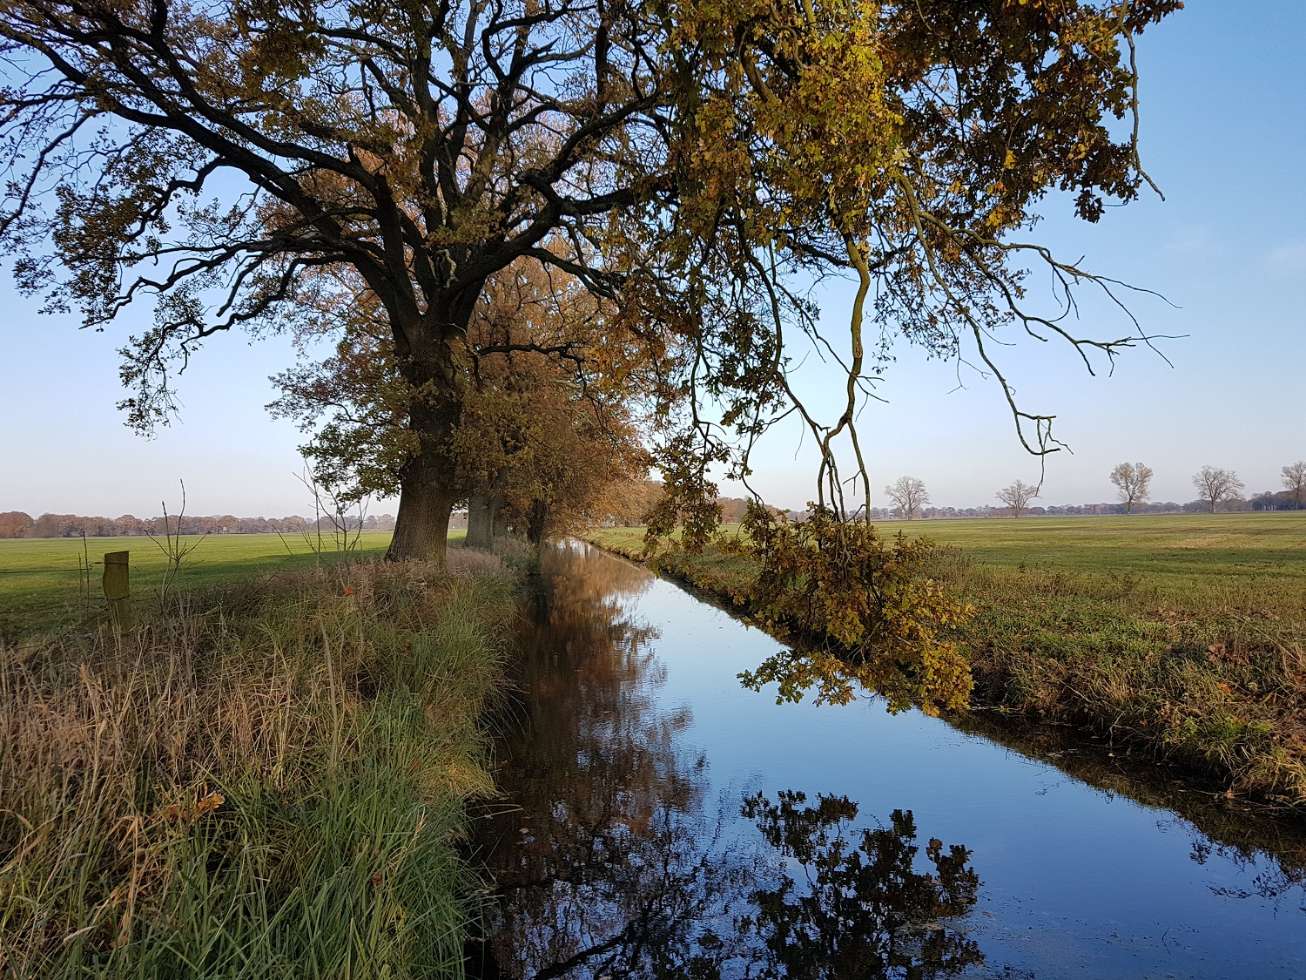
(1224, 134)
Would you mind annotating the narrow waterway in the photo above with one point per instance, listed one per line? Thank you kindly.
(659, 820)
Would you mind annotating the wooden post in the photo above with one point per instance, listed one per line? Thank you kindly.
(117, 588)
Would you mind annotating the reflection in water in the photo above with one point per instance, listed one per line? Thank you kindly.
(862, 909)
(617, 852)
(609, 863)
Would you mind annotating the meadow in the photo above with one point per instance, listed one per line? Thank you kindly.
(40, 586)
(1179, 637)
(1174, 551)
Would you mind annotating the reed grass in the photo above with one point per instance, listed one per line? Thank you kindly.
(265, 781)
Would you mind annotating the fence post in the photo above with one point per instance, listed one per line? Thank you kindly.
(117, 588)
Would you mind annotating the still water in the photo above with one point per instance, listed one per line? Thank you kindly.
(659, 820)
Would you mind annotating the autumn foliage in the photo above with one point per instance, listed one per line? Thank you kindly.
(878, 621)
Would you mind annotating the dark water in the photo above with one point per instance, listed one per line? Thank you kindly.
(661, 821)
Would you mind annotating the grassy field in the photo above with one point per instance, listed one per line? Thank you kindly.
(1183, 636)
(1172, 550)
(264, 779)
(39, 578)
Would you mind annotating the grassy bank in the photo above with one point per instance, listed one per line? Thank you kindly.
(267, 781)
(1184, 637)
(39, 584)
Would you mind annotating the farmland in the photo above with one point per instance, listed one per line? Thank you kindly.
(1174, 551)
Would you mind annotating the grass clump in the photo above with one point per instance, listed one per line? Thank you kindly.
(267, 782)
(1213, 680)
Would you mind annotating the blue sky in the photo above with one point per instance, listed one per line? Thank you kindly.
(1224, 134)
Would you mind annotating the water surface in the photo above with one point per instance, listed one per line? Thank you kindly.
(659, 820)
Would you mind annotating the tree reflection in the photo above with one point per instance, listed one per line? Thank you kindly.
(861, 909)
(607, 862)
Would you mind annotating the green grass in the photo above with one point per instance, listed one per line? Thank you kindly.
(1183, 635)
(265, 780)
(39, 577)
(1173, 551)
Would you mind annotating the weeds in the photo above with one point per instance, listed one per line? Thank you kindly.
(175, 547)
(269, 782)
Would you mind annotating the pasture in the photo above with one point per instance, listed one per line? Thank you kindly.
(39, 582)
(1176, 551)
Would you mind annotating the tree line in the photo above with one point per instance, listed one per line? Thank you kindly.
(1218, 489)
(552, 239)
(17, 524)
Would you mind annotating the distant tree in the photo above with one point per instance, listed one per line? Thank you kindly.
(1017, 496)
(1134, 483)
(628, 502)
(550, 452)
(128, 524)
(733, 509)
(1294, 478)
(1273, 500)
(15, 524)
(1215, 485)
(910, 496)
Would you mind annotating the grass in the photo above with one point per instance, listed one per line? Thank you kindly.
(266, 780)
(39, 585)
(1182, 636)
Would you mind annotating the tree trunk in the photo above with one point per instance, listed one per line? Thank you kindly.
(422, 525)
(484, 519)
(428, 486)
(428, 482)
(537, 519)
(480, 521)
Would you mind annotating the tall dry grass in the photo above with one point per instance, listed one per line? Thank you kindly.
(268, 781)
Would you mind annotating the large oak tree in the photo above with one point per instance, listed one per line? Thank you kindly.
(699, 160)
(219, 155)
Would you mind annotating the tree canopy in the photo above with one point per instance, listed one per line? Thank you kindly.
(696, 159)
(694, 167)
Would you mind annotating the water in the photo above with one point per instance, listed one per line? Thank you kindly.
(661, 821)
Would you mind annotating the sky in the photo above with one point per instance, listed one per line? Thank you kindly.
(1223, 133)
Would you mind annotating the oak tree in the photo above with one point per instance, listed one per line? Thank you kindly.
(1294, 479)
(909, 495)
(218, 156)
(698, 158)
(547, 425)
(543, 455)
(1017, 496)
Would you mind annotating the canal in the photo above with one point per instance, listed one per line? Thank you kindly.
(659, 820)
